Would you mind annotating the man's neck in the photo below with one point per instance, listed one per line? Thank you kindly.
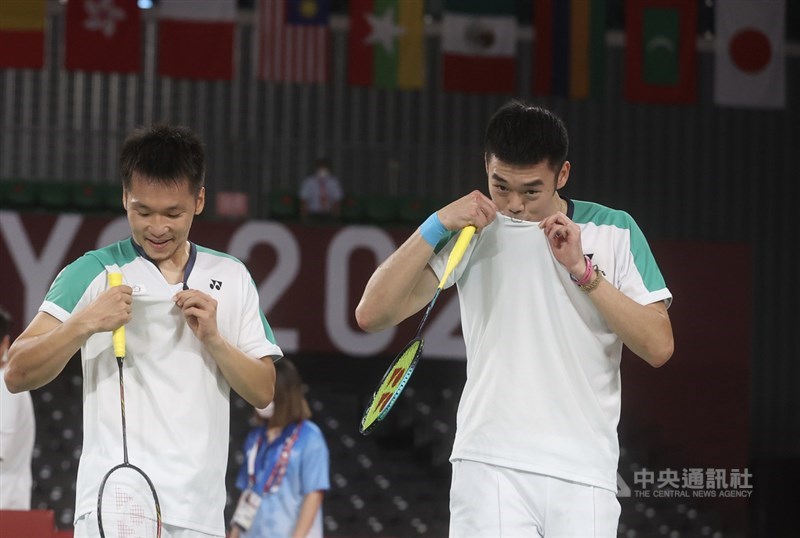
(174, 267)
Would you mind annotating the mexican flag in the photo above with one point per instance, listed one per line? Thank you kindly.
(386, 44)
(479, 46)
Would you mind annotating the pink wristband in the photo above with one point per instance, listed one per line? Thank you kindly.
(586, 274)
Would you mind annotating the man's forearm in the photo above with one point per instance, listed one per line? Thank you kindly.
(644, 329)
(253, 379)
(35, 360)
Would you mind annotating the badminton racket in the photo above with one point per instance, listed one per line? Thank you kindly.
(399, 372)
(127, 503)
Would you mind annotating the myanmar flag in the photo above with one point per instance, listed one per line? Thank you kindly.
(479, 46)
(570, 48)
(22, 34)
(386, 44)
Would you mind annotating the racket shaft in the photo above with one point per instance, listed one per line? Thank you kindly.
(428, 311)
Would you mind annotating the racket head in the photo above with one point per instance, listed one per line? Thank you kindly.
(391, 385)
(127, 504)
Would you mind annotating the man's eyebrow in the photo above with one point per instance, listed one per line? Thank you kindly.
(142, 205)
(532, 183)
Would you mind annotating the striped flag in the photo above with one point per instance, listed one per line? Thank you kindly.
(293, 40)
(386, 44)
(570, 48)
(22, 34)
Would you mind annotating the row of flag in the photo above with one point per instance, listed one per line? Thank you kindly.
(386, 44)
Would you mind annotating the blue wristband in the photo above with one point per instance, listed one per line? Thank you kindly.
(432, 230)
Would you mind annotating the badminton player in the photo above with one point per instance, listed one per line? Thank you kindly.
(550, 290)
(194, 331)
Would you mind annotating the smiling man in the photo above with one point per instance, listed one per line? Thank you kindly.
(194, 331)
(550, 290)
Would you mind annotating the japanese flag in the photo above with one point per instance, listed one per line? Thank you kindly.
(750, 66)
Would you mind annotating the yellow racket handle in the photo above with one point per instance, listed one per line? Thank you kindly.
(457, 253)
(118, 336)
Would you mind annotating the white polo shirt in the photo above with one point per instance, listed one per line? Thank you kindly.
(17, 433)
(543, 383)
(176, 399)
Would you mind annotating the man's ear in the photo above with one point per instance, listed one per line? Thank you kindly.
(563, 175)
(200, 202)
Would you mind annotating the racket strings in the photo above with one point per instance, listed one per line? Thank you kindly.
(128, 507)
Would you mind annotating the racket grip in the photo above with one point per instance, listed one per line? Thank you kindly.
(118, 336)
(458, 252)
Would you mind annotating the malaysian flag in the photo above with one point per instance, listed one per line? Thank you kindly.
(293, 38)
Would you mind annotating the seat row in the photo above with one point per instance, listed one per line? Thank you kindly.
(60, 196)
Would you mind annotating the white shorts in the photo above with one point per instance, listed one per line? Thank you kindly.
(487, 501)
(86, 527)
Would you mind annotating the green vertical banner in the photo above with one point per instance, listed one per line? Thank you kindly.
(661, 34)
(385, 59)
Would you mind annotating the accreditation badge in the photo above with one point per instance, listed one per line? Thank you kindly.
(246, 509)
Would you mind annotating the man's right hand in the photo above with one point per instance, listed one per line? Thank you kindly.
(474, 209)
(109, 311)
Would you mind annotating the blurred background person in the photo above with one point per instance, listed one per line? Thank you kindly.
(17, 431)
(285, 472)
(321, 194)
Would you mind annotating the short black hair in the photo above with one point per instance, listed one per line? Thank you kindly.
(522, 134)
(164, 154)
(5, 323)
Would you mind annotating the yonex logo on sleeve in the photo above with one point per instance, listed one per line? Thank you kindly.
(215, 284)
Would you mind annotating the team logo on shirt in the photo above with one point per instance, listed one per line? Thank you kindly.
(215, 284)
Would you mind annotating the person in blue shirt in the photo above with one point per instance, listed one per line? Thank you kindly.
(285, 472)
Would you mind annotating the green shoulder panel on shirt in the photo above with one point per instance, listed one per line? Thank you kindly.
(264, 322)
(600, 215)
(72, 282)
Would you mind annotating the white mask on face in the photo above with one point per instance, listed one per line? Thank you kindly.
(266, 412)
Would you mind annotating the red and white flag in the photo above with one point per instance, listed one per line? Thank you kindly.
(750, 63)
(103, 35)
(195, 39)
(293, 40)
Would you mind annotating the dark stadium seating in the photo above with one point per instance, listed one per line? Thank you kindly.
(391, 483)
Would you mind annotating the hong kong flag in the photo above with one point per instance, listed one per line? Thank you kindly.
(103, 35)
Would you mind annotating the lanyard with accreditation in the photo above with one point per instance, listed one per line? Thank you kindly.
(250, 501)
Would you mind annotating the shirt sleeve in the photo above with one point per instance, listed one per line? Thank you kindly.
(72, 287)
(639, 276)
(315, 463)
(306, 190)
(336, 192)
(256, 338)
(438, 261)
